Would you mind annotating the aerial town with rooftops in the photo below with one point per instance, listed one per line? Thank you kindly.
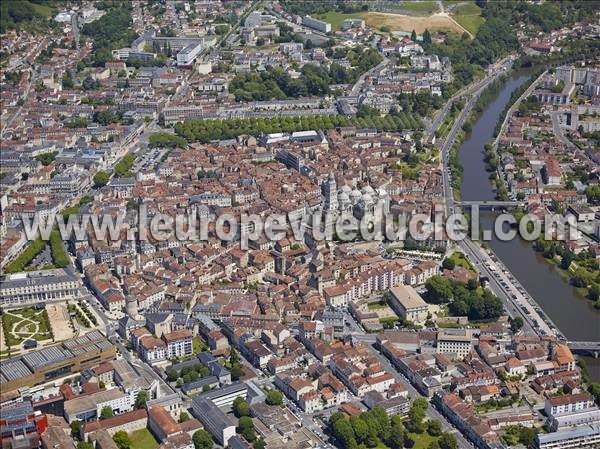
(233, 224)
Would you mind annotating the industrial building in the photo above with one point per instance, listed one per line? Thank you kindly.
(71, 356)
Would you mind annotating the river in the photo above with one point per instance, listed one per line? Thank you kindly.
(572, 313)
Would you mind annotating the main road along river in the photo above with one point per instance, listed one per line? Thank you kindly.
(572, 313)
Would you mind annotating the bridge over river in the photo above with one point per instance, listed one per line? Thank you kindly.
(490, 204)
(585, 347)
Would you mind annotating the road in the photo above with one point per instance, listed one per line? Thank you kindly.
(432, 413)
(359, 82)
(517, 302)
(516, 104)
(558, 131)
(17, 113)
(493, 72)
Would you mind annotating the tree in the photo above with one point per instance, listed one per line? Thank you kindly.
(233, 357)
(106, 412)
(434, 427)
(246, 428)
(360, 428)
(241, 407)
(75, 429)
(101, 179)
(172, 375)
(89, 83)
(413, 36)
(202, 440)
(433, 445)
(448, 441)
(274, 397)
(439, 290)
(448, 264)
(516, 324)
(47, 158)
(396, 439)
(260, 444)
(67, 80)
(245, 422)
(260, 41)
(343, 432)
(426, 37)
(237, 372)
(416, 415)
(183, 417)
(122, 440)
(141, 399)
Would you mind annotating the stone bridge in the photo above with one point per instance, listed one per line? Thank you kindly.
(585, 347)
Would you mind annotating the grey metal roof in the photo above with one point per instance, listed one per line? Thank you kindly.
(224, 391)
(211, 380)
(47, 356)
(13, 369)
(576, 432)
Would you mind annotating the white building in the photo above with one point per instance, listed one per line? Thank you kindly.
(38, 286)
(567, 403)
(179, 344)
(455, 342)
(315, 24)
(114, 398)
(407, 303)
(189, 54)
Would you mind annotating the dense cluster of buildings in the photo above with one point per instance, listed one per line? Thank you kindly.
(185, 329)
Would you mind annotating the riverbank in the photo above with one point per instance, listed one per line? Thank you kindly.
(572, 314)
(570, 267)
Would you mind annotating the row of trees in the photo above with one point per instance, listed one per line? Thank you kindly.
(26, 256)
(59, 255)
(123, 167)
(203, 130)
(166, 140)
(303, 8)
(464, 299)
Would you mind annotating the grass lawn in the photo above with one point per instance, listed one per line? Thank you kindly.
(376, 306)
(422, 440)
(425, 8)
(461, 261)
(198, 345)
(143, 439)
(335, 18)
(42, 10)
(468, 15)
(38, 316)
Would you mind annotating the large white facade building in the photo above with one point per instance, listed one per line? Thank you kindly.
(38, 286)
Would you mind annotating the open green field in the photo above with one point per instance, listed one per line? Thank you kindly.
(143, 439)
(425, 8)
(468, 15)
(41, 9)
(376, 306)
(335, 18)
